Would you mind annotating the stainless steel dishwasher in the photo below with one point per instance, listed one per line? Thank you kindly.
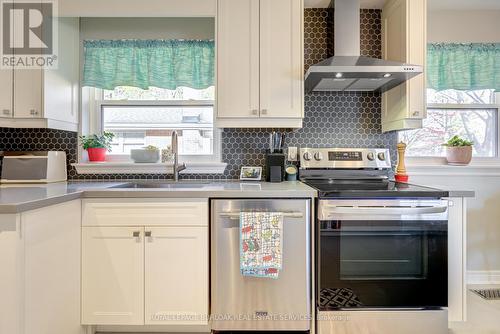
(250, 303)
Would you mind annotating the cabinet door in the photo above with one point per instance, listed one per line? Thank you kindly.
(6, 86)
(281, 59)
(238, 59)
(28, 93)
(404, 40)
(11, 273)
(52, 237)
(60, 85)
(112, 276)
(176, 275)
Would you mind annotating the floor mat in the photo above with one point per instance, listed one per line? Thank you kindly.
(338, 298)
(488, 294)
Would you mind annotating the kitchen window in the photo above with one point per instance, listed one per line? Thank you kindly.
(143, 90)
(469, 114)
(462, 99)
(140, 118)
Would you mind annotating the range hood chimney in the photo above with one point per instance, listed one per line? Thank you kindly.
(347, 70)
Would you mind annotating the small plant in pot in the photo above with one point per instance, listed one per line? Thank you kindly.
(458, 151)
(97, 145)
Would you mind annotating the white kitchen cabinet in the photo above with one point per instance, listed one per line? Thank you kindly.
(52, 249)
(238, 59)
(46, 98)
(6, 86)
(260, 63)
(145, 262)
(176, 275)
(404, 39)
(457, 256)
(28, 93)
(11, 273)
(112, 275)
(40, 275)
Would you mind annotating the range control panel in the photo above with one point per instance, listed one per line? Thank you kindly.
(344, 158)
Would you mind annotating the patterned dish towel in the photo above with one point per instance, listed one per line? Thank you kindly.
(261, 244)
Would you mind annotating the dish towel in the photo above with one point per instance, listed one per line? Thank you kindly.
(261, 244)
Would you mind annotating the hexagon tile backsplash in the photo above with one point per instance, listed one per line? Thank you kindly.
(331, 119)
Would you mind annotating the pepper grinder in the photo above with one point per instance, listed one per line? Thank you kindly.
(401, 175)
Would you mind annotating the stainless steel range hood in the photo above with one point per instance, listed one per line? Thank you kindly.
(347, 70)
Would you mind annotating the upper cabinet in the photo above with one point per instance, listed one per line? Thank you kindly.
(45, 98)
(404, 38)
(260, 63)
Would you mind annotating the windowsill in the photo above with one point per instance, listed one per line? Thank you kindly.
(439, 167)
(147, 168)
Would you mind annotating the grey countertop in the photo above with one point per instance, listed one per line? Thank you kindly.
(19, 198)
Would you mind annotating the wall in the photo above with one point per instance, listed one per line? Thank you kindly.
(331, 119)
(483, 232)
(464, 26)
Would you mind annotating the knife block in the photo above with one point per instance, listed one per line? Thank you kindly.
(275, 167)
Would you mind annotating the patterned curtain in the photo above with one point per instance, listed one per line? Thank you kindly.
(149, 63)
(463, 66)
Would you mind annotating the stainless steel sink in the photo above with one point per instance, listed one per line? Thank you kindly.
(163, 185)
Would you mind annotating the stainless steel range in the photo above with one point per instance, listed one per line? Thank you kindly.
(381, 246)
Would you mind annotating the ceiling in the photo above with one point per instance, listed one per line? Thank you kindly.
(432, 4)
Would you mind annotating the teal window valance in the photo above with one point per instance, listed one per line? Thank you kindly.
(471, 66)
(149, 63)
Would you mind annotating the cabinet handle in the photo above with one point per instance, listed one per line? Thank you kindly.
(147, 234)
(264, 111)
(6, 111)
(255, 112)
(136, 234)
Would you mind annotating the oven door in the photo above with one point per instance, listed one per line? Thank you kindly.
(382, 254)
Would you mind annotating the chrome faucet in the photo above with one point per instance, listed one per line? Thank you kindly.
(175, 150)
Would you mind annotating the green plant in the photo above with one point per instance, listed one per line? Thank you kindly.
(151, 148)
(456, 141)
(97, 141)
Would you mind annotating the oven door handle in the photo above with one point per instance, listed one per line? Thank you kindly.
(330, 210)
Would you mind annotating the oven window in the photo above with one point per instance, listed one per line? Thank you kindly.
(376, 255)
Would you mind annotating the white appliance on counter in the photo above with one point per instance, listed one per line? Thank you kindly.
(250, 303)
(34, 167)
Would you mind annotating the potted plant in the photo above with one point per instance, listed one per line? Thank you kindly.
(149, 154)
(97, 145)
(458, 151)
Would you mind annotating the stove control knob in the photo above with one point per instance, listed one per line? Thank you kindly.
(381, 156)
(307, 156)
(370, 156)
(318, 156)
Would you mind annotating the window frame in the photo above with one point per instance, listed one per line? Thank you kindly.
(430, 160)
(96, 104)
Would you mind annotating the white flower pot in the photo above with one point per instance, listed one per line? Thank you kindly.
(459, 155)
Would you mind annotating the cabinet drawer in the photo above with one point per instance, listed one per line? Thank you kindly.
(145, 212)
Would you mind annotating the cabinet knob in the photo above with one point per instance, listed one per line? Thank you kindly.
(264, 111)
(33, 112)
(416, 113)
(136, 234)
(255, 112)
(147, 234)
(6, 111)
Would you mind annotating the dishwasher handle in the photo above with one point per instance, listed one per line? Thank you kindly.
(236, 215)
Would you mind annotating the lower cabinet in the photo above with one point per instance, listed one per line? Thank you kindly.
(112, 284)
(40, 270)
(147, 274)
